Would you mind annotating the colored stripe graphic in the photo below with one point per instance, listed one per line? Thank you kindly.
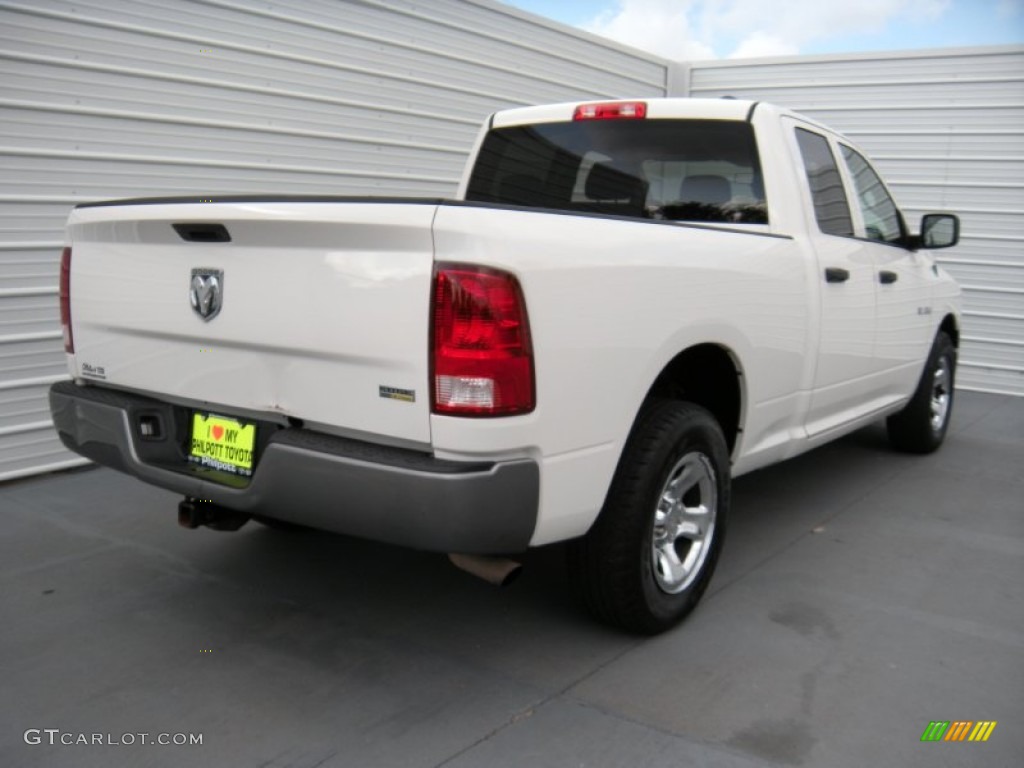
(983, 730)
(958, 730)
(935, 731)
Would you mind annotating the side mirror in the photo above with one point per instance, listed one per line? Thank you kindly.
(939, 230)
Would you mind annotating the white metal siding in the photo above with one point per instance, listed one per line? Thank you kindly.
(946, 128)
(126, 98)
(118, 98)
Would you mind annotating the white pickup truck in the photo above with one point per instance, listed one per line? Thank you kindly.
(627, 304)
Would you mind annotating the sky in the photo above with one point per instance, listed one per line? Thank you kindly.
(718, 29)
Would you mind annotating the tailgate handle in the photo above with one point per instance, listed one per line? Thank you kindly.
(836, 275)
(203, 232)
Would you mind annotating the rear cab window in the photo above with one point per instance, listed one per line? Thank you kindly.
(662, 169)
(831, 206)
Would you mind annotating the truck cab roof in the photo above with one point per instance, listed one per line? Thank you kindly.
(714, 109)
(656, 108)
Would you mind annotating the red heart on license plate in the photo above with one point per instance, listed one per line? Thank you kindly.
(218, 431)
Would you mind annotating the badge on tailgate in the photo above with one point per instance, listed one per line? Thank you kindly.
(222, 443)
(206, 292)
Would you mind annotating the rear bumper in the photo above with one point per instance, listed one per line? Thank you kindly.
(376, 492)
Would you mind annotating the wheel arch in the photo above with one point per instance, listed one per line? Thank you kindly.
(708, 375)
(951, 327)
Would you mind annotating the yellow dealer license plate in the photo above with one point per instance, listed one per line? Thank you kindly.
(222, 443)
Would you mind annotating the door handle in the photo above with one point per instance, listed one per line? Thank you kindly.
(836, 275)
(885, 277)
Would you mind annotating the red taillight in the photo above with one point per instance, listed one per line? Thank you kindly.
(480, 338)
(612, 110)
(65, 300)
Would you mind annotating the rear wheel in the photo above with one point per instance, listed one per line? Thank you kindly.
(922, 425)
(649, 556)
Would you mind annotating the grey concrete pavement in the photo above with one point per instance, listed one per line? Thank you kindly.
(862, 594)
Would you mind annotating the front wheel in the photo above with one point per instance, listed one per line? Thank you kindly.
(921, 426)
(648, 558)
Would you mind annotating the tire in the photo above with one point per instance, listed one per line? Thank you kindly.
(630, 570)
(921, 426)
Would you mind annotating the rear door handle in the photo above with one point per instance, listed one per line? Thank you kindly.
(885, 277)
(836, 275)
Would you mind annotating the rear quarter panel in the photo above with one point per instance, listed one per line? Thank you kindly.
(611, 302)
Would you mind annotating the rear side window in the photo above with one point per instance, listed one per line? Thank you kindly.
(679, 170)
(882, 220)
(831, 208)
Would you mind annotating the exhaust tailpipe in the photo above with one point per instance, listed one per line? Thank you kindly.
(193, 512)
(499, 571)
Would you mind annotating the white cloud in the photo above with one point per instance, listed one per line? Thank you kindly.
(658, 26)
(701, 29)
(763, 44)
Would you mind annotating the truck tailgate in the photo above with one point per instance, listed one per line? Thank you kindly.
(323, 314)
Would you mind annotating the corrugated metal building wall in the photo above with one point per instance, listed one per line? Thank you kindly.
(115, 98)
(946, 128)
(119, 98)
